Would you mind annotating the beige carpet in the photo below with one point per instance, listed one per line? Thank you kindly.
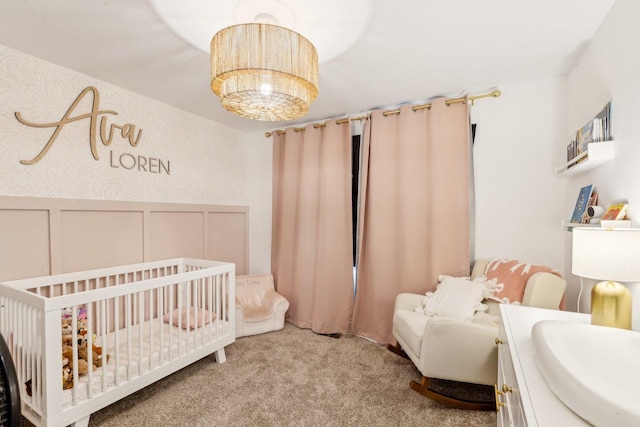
(291, 377)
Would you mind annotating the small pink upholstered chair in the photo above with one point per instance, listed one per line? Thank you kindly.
(259, 308)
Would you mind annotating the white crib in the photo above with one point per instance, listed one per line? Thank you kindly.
(126, 309)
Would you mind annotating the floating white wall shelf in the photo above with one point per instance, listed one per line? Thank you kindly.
(596, 154)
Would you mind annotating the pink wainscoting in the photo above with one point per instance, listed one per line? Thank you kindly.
(41, 236)
(177, 234)
(24, 242)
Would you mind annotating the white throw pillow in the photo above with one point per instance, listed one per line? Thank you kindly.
(455, 298)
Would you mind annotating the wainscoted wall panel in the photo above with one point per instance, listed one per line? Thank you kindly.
(100, 238)
(24, 238)
(226, 238)
(40, 236)
(177, 234)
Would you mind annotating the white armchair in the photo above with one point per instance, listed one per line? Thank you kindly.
(259, 308)
(457, 350)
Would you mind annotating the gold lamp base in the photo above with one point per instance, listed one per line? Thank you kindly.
(611, 305)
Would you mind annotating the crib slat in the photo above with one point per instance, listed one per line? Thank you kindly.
(103, 333)
(117, 317)
(151, 334)
(140, 296)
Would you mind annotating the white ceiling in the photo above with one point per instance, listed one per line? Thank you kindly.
(410, 51)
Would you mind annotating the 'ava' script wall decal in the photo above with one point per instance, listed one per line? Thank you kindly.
(97, 118)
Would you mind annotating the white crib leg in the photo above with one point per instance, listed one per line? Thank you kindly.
(84, 422)
(220, 356)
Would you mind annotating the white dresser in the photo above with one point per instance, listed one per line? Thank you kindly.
(523, 398)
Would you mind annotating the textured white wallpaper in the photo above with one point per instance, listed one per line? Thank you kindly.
(207, 159)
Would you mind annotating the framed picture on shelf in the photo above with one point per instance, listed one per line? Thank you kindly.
(582, 203)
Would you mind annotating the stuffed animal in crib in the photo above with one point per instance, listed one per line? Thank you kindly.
(66, 327)
(83, 364)
(67, 375)
(67, 312)
(98, 349)
(83, 352)
(83, 343)
(82, 330)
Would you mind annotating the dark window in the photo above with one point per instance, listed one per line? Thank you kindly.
(355, 173)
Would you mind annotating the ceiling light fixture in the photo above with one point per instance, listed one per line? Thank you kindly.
(263, 71)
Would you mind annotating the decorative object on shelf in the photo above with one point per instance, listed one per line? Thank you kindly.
(581, 204)
(610, 255)
(615, 211)
(594, 213)
(264, 72)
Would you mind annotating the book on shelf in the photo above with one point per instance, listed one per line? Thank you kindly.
(615, 211)
(583, 138)
(597, 129)
(601, 130)
(579, 211)
(571, 152)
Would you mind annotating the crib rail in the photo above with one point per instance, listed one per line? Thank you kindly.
(147, 320)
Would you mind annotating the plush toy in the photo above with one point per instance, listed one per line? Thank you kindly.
(67, 312)
(82, 326)
(83, 365)
(66, 327)
(67, 375)
(83, 351)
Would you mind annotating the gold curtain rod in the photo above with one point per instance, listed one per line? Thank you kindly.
(493, 94)
(318, 125)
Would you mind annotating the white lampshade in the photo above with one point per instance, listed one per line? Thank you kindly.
(607, 254)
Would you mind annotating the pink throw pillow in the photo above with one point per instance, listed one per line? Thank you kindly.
(512, 276)
(192, 313)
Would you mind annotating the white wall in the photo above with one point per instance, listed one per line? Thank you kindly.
(259, 173)
(609, 69)
(519, 202)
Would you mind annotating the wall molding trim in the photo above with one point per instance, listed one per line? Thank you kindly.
(42, 236)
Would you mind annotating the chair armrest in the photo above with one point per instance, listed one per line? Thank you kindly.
(544, 290)
(406, 301)
(447, 344)
(277, 301)
(479, 268)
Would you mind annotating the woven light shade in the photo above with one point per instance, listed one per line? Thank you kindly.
(263, 71)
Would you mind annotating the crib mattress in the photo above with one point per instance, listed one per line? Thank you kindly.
(160, 344)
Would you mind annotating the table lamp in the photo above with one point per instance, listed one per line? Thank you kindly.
(610, 255)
